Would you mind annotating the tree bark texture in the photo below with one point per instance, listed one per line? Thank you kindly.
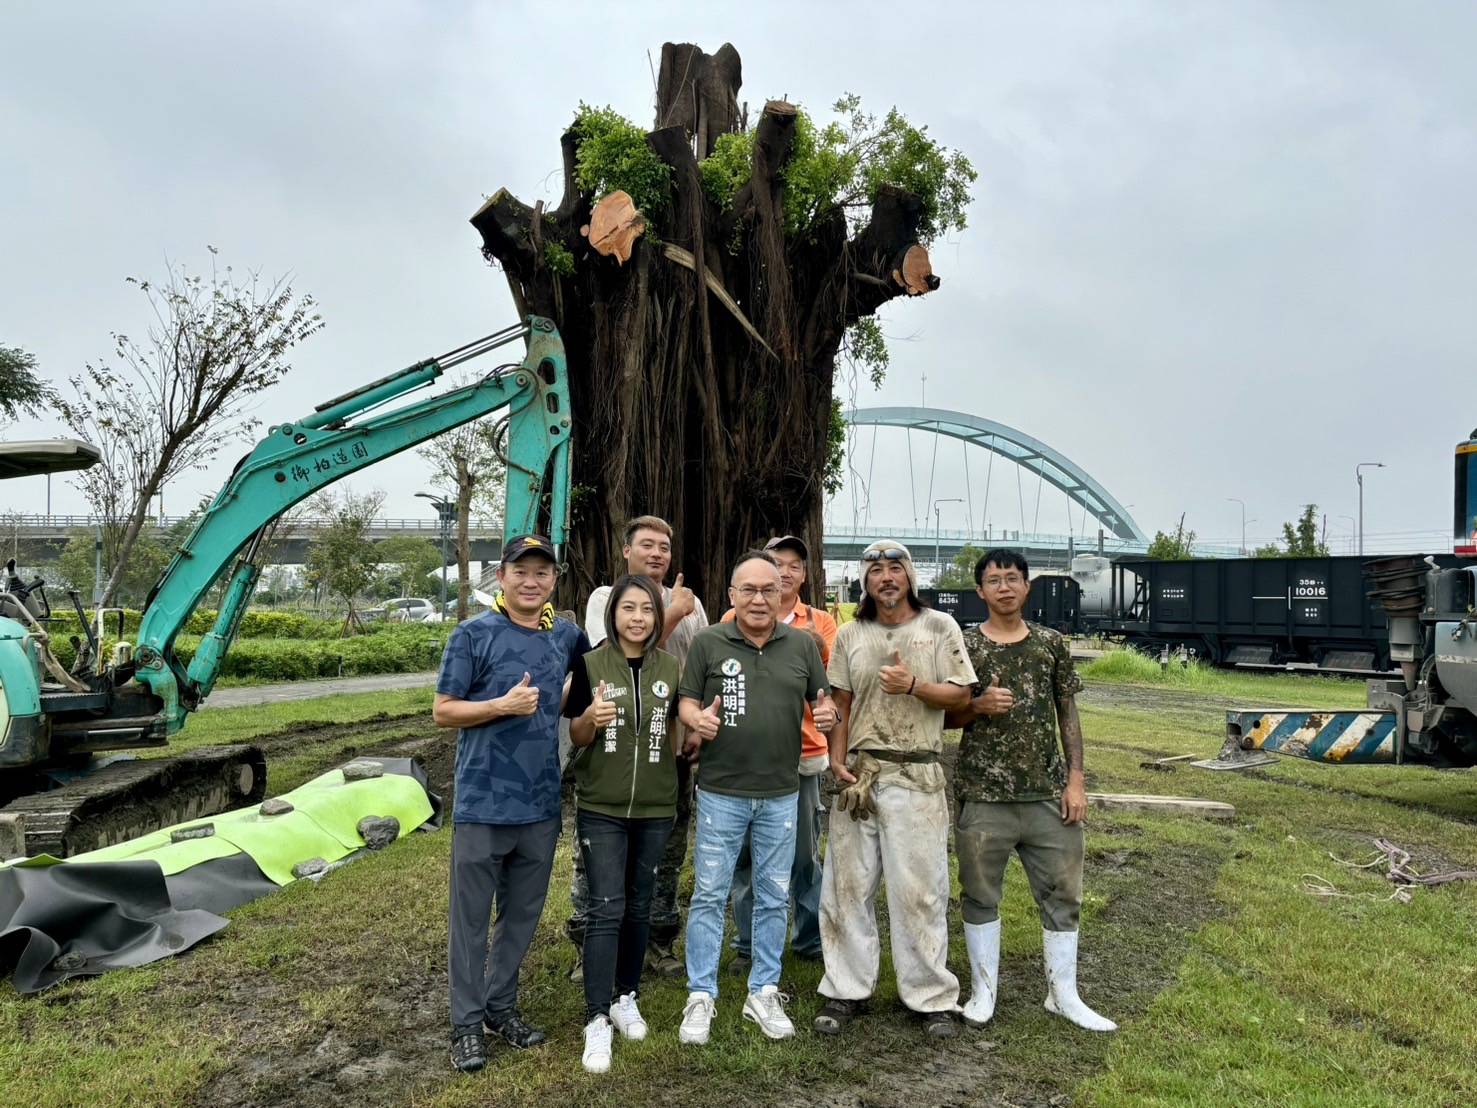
(701, 368)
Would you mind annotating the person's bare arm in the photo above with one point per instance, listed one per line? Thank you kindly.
(836, 739)
(679, 607)
(520, 700)
(1074, 797)
(598, 714)
(898, 680)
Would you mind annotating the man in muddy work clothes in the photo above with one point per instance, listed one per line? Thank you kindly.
(647, 548)
(895, 669)
(1015, 793)
(502, 678)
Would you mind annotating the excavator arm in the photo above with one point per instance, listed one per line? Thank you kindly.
(302, 457)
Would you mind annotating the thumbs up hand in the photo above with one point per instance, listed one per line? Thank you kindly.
(602, 709)
(823, 712)
(993, 700)
(521, 699)
(897, 679)
(682, 601)
(708, 720)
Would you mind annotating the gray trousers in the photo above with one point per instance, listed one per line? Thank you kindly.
(1050, 851)
(508, 865)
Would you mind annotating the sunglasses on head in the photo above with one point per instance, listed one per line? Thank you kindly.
(892, 555)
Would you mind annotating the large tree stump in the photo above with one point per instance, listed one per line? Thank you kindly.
(700, 372)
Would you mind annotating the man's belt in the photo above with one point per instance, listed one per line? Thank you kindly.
(904, 757)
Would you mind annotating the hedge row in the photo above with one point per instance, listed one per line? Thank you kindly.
(254, 625)
(397, 649)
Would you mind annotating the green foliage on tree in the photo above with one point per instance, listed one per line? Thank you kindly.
(1176, 547)
(1271, 550)
(22, 391)
(843, 164)
(959, 573)
(612, 153)
(559, 259)
(1301, 539)
(407, 565)
(342, 558)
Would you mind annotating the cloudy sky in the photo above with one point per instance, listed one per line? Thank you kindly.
(1216, 250)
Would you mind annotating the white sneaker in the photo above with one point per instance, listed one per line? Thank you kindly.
(697, 1018)
(627, 1018)
(766, 1008)
(596, 1058)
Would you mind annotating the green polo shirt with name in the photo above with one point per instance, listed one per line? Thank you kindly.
(764, 689)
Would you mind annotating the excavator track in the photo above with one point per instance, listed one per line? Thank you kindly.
(126, 799)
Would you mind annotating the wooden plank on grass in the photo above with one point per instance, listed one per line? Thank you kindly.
(1184, 805)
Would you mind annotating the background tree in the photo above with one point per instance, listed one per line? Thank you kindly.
(1300, 540)
(408, 564)
(23, 392)
(465, 466)
(705, 276)
(1177, 547)
(151, 553)
(343, 558)
(170, 403)
(959, 573)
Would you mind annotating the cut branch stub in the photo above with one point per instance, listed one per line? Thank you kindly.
(914, 272)
(615, 225)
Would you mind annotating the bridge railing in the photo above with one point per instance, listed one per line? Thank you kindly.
(921, 542)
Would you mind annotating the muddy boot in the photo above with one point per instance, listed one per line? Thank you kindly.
(983, 941)
(1060, 949)
(662, 960)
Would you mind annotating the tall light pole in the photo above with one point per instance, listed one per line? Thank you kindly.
(1359, 477)
(446, 512)
(1238, 500)
(938, 565)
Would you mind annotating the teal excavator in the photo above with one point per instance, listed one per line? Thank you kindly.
(58, 797)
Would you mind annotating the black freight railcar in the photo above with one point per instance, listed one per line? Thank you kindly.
(1251, 611)
(1055, 601)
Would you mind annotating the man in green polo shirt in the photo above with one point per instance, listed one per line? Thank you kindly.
(743, 696)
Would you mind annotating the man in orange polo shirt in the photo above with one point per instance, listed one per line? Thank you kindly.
(792, 556)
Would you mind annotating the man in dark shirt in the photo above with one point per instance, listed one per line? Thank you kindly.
(502, 678)
(1015, 793)
(743, 696)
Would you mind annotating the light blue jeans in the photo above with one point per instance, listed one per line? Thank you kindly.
(722, 824)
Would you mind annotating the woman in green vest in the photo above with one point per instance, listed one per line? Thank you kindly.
(621, 703)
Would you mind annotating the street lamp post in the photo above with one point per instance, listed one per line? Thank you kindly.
(938, 565)
(446, 512)
(1359, 477)
(1238, 500)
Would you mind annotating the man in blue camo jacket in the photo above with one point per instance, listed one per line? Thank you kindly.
(502, 678)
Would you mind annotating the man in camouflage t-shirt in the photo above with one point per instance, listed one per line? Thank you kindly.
(1015, 792)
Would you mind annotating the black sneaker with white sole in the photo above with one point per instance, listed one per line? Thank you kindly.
(468, 1053)
(836, 1014)
(513, 1031)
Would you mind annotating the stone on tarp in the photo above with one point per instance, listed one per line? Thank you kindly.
(379, 831)
(275, 806)
(71, 960)
(199, 831)
(311, 868)
(363, 771)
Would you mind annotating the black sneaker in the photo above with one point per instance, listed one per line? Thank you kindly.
(940, 1025)
(836, 1014)
(468, 1053)
(512, 1030)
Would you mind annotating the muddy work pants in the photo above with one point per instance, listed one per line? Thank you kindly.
(907, 844)
(1050, 851)
(505, 865)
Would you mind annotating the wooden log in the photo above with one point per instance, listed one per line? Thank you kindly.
(1183, 805)
(615, 225)
(914, 273)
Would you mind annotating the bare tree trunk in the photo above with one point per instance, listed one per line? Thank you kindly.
(701, 369)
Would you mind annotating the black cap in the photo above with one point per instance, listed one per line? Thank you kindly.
(789, 542)
(520, 546)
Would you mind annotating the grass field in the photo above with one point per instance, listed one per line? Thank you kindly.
(1233, 983)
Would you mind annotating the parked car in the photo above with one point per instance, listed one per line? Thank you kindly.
(411, 609)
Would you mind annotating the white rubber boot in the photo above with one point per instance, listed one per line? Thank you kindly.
(1060, 949)
(983, 942)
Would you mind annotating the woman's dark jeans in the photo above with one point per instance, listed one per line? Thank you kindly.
(621, 858)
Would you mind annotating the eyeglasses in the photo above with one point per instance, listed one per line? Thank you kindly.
(748, 592)
(1010, 580)
(892, 554)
